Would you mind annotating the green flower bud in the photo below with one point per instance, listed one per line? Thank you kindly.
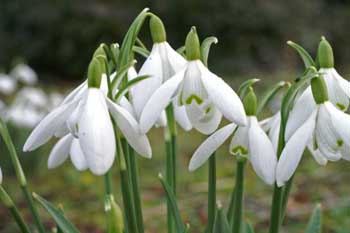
(325, 54)
(319, 90)
(250, 103)
(114, 215)
(100, 51)
(95, 73)
(193, 51)
(157, 29)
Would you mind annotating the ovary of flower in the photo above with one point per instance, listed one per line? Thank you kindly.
(92, 125)
(204, 96)
(162, 63)
(330, 128)
(248, 141)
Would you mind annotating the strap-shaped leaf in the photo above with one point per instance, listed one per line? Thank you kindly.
(269, 95)
(305, 56)
(243, 88)
(141, 44)
(205, 48)
(124, 89)
(142, 51)
(64, 225)
(180, 226)
(181, 51)
(221, 224)
(121, 74)
(315, 222)
(248, 228)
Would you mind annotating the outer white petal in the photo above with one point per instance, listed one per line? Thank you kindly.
(96, 134)
(142, 91)
(124, 102)
(343, 83)
(60, 152)
(301, 111)
(77, 156)
(335, 92)
(223, 96)
(262, 154)
(177, 62)
(181, 117)
(130, 129)
(318, 156)
(210, 145)
(76, 93)
(294, 149)
(72, 121)
(326, 136)
(49, 126)
(159, 101)
(275, 131)
(162, 121)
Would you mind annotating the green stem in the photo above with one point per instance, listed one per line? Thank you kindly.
(6, 199)
(126, 189)
(211, 193)
(275, 217)
(238, 202)
(108, 183)
(33, 208)
(231, 207)
(136, 189)
(170, 144)
(286, 192)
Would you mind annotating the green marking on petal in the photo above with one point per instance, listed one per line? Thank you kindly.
(208, 109)
(194, 97)
(341, 106)
(180, 99)
(340, 142)
(239, 150)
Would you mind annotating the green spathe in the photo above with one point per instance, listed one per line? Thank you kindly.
(193, 50)
(319, 90)
(94, 73)
(157, 29)
(325, 54)
(250, 103)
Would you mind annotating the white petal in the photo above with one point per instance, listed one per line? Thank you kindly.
(124, 102)
(340, 122)
(76, 93)
(335, 92)
(192, 87)
(293, 150)
(343, 83)
(130, 129)
(162, 121)
(72, 121)
(96, 134)
(318, 156)
(326, 135)
(49, 126)
(239, 145)
(223, 96)
(181, 116)
(262, 154)
(210, 145)
(303, 107)
(60, 152)
(142, 91)
(77, 156)
(159, 101)
(177, 62)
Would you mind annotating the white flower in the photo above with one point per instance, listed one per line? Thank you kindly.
(7, 84)
(272, 125)
(204, 95)
(162, 63)
(86, 114)
(248, 141)
(327, 128)
(25, 74)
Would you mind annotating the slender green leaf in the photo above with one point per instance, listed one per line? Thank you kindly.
(248, 228)
(125, 88)
(141, 44)
(181, 51)
(121, 74)
(305, 56)
(243, 88)
(143, 52)
(269, 95)
(221, 224)
(180, 226)
(205, 48)
(315, 222)
(65, 225)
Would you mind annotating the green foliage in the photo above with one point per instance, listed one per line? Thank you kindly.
(314, 225)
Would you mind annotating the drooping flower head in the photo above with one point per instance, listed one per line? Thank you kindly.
(248, 141)
(326, 129)
(204, 96)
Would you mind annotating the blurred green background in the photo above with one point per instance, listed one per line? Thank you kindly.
(57, 38)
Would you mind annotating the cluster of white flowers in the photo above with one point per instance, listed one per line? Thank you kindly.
(199, 98)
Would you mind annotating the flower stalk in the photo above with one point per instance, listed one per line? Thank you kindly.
(211, 192)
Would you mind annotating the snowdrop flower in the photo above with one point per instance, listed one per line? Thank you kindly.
(327, 128)
(7, 84)
(67, 145)
(88, 118)
(272, 125)
(204, 95)
(248, 141)
(25, 74)
(162, 63)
